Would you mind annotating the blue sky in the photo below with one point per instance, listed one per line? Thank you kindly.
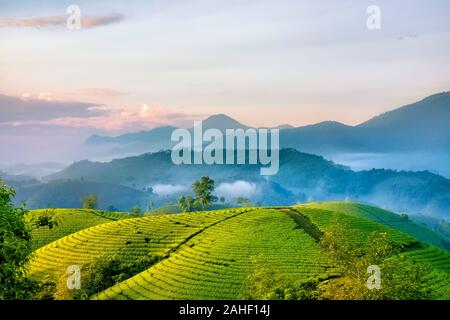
(262, 62)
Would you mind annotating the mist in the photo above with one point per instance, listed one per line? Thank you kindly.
(419, 161)
(169, 189)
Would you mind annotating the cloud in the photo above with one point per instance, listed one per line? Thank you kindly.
(14, 109)
(87, 22)
(91, 22)
(45, 110)
(240, 188)
(169, 189)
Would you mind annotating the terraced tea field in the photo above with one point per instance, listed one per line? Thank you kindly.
(211, 255)
(359, 227)
(350, 215)
(127, 239)
(69, 221)
(215, 263)
(386, 218)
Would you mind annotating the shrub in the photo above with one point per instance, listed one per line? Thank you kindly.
(100, 275)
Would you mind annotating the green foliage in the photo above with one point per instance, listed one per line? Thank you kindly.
(15, 249)
(267, 284)
(45, 218)
(402, 279)
(203, 190)
(90, 202)
(203, 199)
(102, 274)
(111, 208)
(136, 210)
(186, 203)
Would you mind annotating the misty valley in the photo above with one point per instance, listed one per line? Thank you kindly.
(215, 156)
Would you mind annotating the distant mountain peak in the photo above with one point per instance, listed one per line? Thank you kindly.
(221, 122)
(331, 124)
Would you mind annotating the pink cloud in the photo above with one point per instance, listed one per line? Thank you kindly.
(61, 21)
(117, 120)
(49, 109)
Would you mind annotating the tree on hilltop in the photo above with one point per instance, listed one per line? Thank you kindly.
(90, 202)
(203, 190)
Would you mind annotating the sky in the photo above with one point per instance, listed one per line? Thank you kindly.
(139, 64)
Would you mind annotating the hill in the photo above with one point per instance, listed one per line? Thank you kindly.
(18, 181)
(218, 251)
(129, 239)
(302, 177)
(69, 221)
(68, 194)
(389, 219)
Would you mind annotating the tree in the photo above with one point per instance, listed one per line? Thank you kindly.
(101, 274)
(243, 202)
(90, 202)
(112, 208)
(15, 248)
(203, 190)
(186, 204)
(402, 279)
(136, 210)
(46, 218)
(222, 199)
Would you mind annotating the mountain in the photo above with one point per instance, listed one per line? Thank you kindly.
(17, 181)
(421, 126)
(162, 135)
(152, 136)
(302, 177)
(35, 170)
(222, 122)
(153, 140)
(424, 124)
(418, 127)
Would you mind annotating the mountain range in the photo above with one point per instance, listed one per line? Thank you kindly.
(422, 125)
(302, 177)
(419, 130)
(414, 131)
